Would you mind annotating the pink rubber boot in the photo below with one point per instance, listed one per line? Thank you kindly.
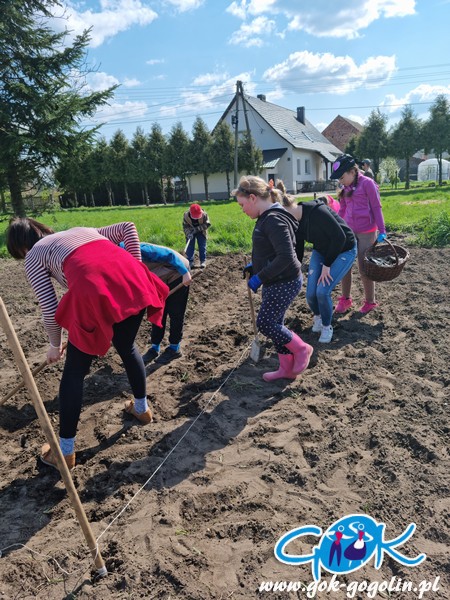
(302, 353)
(284, 370)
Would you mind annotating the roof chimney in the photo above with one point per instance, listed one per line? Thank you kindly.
(261, 97)
(301, 114)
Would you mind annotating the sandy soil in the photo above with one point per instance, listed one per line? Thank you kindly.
(192, 505)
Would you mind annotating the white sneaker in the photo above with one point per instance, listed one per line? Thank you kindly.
(202, 265)
(326, 335)
(317, 324)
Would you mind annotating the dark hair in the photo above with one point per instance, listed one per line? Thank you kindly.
(22, 234)
(349, 193)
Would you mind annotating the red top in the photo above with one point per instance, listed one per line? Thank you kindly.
(106, 285)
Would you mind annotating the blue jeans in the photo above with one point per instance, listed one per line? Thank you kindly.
(201, 241)
(319, 296)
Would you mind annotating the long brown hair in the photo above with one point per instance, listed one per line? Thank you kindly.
(348, 193)
(22, 234)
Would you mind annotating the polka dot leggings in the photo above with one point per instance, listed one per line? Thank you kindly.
(276, 298)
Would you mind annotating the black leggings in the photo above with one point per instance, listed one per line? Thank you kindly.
(77, 366)
(175, 309)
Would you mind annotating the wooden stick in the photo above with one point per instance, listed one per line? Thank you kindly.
(51, 437)
(20, 385)
(180, 285)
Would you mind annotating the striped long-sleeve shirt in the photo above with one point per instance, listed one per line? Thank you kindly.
(46, 258)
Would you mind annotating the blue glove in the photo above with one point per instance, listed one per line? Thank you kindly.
(247, 269)
(254, 283)
(381, 237)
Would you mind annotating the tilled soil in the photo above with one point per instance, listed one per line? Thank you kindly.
(192, 505)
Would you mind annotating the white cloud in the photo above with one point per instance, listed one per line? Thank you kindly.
(315, 73)
(99, 81)
(168, 111)
(242, 8)
(254, 33)
(237, 9)
(155, 61)
(129, 83)
(113, 17)
(321, 19)
(274, 95)
(209, 78)
(258, 7)
(185, 5)
(213, 98)
(422, 93)
(357, 119)
(120, 111)
(321, 126)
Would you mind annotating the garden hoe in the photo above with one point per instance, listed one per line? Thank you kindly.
(255, 350)
(186, 247)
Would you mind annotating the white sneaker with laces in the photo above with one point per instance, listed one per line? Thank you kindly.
(326, 335)
(317, 324)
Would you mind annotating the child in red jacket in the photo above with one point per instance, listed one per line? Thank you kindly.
(195, 226)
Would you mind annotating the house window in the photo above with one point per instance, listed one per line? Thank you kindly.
(307, 166)
(299, 169)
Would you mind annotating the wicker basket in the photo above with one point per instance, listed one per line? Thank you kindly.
(378, 272)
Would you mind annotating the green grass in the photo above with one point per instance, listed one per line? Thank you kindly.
(406, 208)
(422, 212)
(230, 232)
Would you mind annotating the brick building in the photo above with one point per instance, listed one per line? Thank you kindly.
(341, 130)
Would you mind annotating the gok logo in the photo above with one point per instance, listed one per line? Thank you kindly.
(347, 545)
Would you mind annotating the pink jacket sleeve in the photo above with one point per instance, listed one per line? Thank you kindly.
(375, 205)
(342, 206)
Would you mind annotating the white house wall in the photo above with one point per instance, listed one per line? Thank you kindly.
(217, 186)
(266, 138)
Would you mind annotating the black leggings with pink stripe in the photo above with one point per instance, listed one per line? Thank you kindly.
(77, 366)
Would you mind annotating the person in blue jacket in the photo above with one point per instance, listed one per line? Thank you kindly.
(173, 269)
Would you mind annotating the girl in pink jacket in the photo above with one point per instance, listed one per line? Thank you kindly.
(360, 207)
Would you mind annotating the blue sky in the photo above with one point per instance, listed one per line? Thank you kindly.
(179, 59)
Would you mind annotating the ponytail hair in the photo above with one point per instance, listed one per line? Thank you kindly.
(251, 184)
(287, 200)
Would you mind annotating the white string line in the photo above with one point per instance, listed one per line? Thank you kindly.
(176, 445)
(38, 554)
(97, 549)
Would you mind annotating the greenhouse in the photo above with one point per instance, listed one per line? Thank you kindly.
(428, 170)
